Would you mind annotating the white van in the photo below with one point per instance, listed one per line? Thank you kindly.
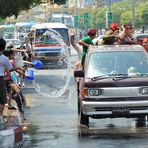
(22, 29)
(49, 50)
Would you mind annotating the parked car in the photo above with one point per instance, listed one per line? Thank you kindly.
(140, 37)
(113, 83)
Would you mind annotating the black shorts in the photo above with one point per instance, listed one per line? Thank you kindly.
(8, 88)
(3, 99)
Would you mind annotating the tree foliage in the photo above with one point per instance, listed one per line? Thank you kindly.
(122, 13)
(59, 2)
(14, 7)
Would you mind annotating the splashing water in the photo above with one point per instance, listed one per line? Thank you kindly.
(53, 80)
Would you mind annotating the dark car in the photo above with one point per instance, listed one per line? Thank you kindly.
(113, 83)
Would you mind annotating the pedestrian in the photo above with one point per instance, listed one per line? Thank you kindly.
(126, 35)
(4, 63)
(7, 77)
(111, 36)
(31, 36)
(86, 41)
(76, 46)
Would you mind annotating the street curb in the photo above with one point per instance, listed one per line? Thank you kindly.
(11, 136)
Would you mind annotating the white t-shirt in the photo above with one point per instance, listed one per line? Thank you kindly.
(28, 47)
(4, 63)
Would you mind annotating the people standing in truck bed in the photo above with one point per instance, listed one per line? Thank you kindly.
(86, 41)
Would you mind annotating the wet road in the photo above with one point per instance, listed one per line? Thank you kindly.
(53, 123)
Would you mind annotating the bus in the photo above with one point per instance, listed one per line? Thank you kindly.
(8, 31)
(64, 18)
(45, 47)
(22, 29)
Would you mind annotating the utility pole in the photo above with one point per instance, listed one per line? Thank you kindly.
(76, 14)
(133, 13)
(76, 7)
(86, 27)
(63, 14)
(109, 5)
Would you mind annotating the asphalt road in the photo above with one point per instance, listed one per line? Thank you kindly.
(53, 123)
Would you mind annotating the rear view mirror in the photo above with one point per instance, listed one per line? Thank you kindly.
(78, 73)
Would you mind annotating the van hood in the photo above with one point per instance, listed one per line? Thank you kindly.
(117, 82)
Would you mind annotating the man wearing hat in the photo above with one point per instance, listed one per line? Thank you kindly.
(110, 36)
(126, 35)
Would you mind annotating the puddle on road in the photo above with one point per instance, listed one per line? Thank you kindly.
(112, 131)
(33, 135)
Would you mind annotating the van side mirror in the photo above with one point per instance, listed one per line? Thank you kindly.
(79, 73)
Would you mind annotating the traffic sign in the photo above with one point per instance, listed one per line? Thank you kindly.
(109, 18)
(76, 21)
(86, 18)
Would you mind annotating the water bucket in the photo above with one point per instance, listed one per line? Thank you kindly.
(29, 74)
(18, 61)
(37, 64)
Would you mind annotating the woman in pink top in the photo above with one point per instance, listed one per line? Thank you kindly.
(7, 77)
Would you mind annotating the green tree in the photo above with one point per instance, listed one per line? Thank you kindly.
(59, 2)
(14, 7)
(2, 21)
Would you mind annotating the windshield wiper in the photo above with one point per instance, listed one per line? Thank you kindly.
(142, 75)
(113, 76)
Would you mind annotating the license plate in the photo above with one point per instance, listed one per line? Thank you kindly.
(120, 111)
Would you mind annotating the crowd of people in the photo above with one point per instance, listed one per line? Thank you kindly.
(12, 77)
(112, 36)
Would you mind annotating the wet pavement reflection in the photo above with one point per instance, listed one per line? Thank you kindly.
(53, 123)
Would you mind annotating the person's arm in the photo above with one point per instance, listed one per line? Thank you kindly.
(27, 62)
(83, 44)
(8, 64)
(20, 72)
(122, 34)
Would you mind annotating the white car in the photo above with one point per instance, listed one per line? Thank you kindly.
(16, 42)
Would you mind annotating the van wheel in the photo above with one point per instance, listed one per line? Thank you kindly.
(83, 131)
(78, 106)
(84, 119)
(141, 121)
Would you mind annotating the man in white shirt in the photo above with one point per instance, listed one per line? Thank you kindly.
(4, 63)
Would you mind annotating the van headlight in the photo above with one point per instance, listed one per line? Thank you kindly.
(94, 92)
(144, 91)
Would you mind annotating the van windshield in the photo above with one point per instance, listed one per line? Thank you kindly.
(117, 62)
(41, 38)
